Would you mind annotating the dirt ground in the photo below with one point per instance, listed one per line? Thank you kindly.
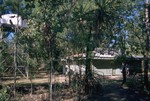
(41, 80)
(112, 90)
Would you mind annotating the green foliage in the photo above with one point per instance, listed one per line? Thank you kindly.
(3, 95)
(111, 21)
(6, 58)
(59, 28)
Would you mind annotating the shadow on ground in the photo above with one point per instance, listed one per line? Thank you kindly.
(113, 91)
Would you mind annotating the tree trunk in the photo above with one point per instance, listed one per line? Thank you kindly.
(88, 65)
(50, 52)
(50, 82)
(124, 73)
(15, 62)
(146, 74)
(146, 63)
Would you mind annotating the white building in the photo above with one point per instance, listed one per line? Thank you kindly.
(102, 63)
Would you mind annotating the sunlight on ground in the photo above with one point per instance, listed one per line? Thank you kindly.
(58, 79)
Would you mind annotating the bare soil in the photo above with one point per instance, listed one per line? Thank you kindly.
(112, 90)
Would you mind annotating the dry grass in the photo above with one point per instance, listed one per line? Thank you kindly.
(55, 79)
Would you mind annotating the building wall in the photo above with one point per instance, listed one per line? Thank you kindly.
(109, 67)
(105, 64)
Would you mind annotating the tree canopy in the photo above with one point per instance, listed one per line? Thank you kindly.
(57, 29)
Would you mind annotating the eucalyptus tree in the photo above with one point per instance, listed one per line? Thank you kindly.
(45, 25)
(94, 22)
(134, 28)
(141, 35)
(138, 38)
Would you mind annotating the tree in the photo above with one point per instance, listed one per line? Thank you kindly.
(102, 21)
(46, 25)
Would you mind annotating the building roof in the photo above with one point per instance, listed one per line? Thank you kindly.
(97, 54)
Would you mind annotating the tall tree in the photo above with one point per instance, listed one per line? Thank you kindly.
(147, 11)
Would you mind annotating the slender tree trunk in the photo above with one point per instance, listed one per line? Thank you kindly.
(50, 62)
(15, 52)
(124, 73)
(88, 64)
(147, 47)
(146, 73)
(69, 72)
(123, 53)
(68, 63)
(27, 67)
(1, 48)
(50, 77)
(31, 85)
(88, 59)
(15, 62)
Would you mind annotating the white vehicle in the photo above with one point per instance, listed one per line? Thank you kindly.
(74, 69)
(12, 20)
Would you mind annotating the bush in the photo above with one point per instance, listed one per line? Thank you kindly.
(3, 95)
